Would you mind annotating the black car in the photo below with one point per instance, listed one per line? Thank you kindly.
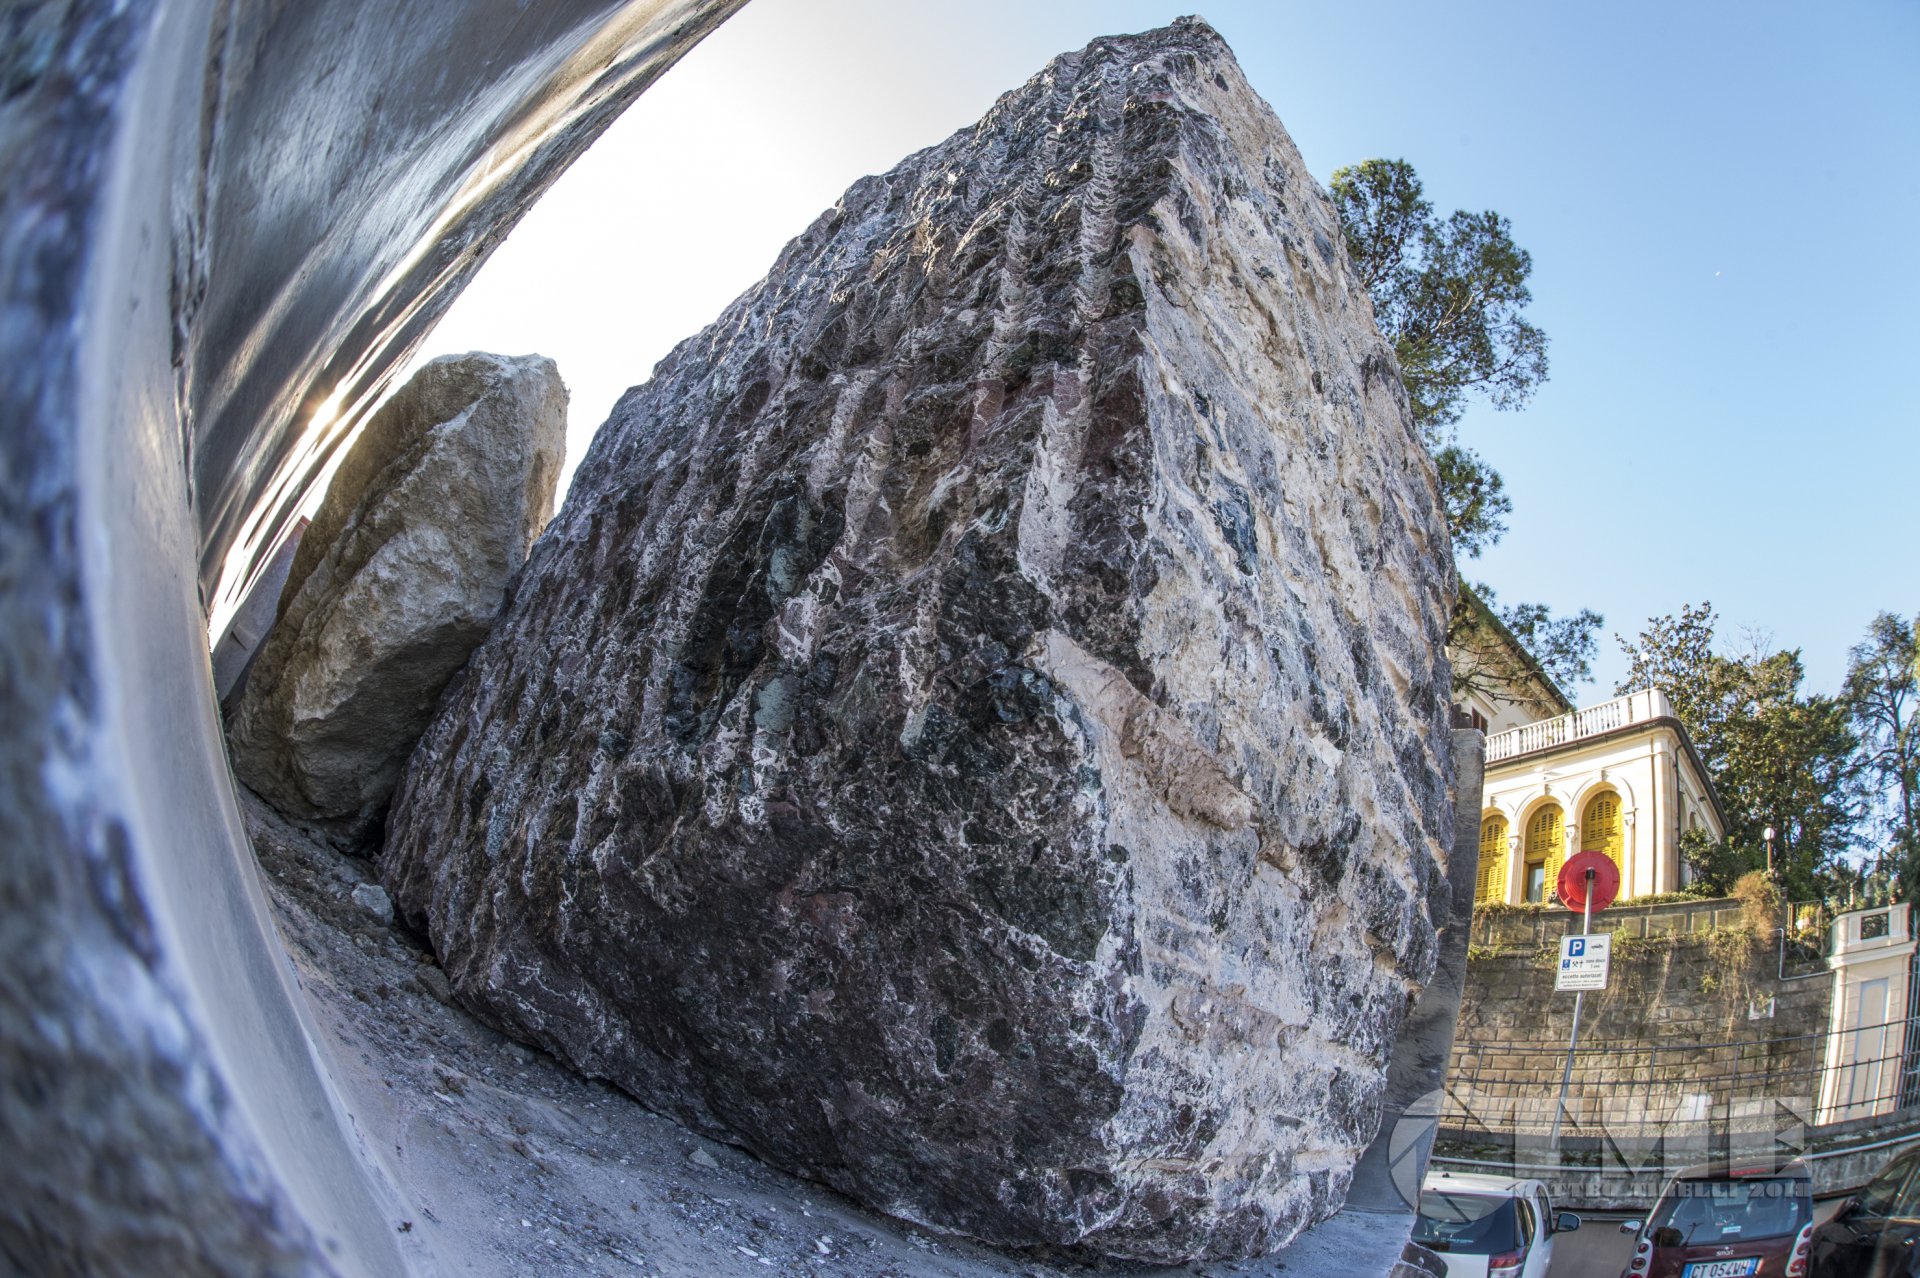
(1876, 1233)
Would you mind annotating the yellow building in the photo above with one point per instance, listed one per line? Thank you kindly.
(1621, 777)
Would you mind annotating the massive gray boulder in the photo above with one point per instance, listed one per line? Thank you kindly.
(397, 580)
(976, 734)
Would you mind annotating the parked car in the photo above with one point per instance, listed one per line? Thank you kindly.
(1876, 1233)
(1725, 1220)
(1489, 1226)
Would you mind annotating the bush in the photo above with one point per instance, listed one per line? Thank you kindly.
(1692, 892)
(1759, 902)
(1716, 866)
(1500, 909)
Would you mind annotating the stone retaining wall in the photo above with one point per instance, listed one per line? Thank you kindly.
(1696, 1018)
(1525, 925)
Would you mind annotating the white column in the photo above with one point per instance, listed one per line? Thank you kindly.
(1663, 853)
(1630, 852)
(1867, 1031)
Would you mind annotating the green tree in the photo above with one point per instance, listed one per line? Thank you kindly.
(1675, 654)
(1716, 864)
(1776, 756)
(1787, 760)
(1564, 646)
(1449, 294)
(1882, 695)
(1482, 635)
(1475, 497)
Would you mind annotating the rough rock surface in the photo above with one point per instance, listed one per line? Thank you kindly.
(976, 733)
(398, 578)
(512, 1165)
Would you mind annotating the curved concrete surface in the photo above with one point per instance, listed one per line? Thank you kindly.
(224, 223)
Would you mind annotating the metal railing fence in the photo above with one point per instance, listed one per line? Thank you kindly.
(1637, 1090)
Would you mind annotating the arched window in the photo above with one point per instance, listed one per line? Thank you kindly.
(1600, 829)
(1492, 882)
(1546, 852)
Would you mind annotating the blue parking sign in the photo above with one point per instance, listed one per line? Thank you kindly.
(1584, 962)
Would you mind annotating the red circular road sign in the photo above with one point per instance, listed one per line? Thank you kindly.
(1573, 881)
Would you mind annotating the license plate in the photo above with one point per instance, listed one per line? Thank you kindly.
(1721, 1268)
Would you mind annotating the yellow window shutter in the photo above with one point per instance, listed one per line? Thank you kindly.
(1600, 829)
(1547, 841)
(1491, 884)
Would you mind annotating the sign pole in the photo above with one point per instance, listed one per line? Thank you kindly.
(1579, 1001)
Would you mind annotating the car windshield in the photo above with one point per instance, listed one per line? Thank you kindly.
(1473, 1224)
(1697, 1212)
(1882, 1194)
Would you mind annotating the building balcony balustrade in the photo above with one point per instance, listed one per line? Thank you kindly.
(1609, 716)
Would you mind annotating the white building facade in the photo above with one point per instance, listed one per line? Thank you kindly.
(1621, 778)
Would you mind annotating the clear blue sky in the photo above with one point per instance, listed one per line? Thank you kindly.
(1720, 200)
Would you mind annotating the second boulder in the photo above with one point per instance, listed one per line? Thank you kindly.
(398, 578)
